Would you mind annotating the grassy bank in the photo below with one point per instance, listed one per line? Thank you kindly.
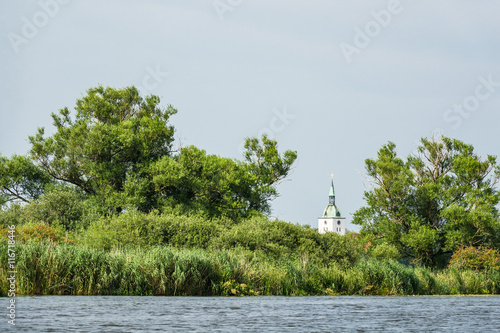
(55, 269)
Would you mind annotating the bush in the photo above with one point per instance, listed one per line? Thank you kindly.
(13, 215)
(384, 251)
(62, 205)
(38, 232)
(475, 258)
(141, 229)
(345, 250)
(276, 238)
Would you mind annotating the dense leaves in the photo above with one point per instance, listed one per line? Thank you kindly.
(274, 239)
(475, 258)
(21, 179)
(114, 136)
(439, 200)
(218, 186)
(118, 150)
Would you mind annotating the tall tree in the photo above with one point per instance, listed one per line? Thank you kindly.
(115, 135)
(118, 150)
(442, 198)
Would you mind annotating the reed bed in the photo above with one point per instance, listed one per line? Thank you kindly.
(66, 269)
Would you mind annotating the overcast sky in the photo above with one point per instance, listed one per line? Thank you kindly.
(333, 80)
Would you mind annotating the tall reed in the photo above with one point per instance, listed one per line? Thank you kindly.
(52, 269)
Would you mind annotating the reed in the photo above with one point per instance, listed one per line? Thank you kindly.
(59, 269)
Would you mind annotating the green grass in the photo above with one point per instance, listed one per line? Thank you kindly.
(52, 269)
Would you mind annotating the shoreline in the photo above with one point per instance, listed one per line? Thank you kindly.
(66, 269)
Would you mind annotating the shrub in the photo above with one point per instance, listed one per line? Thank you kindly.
(475, 258)
(13, 215)
(345, 250)
(141, 229)
(384, 251)
(61, 205)
(38, 232)
(275, 238)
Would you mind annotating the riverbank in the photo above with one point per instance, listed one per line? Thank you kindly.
(64, 269)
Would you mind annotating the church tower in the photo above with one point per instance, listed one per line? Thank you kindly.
(331, 221)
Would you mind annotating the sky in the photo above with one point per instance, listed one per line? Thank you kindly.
(333, 80)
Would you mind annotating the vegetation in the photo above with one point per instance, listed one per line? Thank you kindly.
(106, 205)
(117, 153)
(475, 258)
(48, 269)
(435, 203)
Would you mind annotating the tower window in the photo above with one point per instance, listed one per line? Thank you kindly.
(338, 222)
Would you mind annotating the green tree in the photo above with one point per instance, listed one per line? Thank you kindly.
(443, 198)
(115, 136)
(21, 180)
(118, 150)
(221, 186)
(63, 205)
(266, 168)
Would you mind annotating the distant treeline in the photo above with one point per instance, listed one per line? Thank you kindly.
(107, 205)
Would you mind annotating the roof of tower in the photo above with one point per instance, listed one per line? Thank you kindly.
(332, 189)
(331, 210)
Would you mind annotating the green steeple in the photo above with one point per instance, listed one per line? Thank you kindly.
(331, 210)
(332, 193)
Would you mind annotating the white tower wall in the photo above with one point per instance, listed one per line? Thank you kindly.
(331, 224)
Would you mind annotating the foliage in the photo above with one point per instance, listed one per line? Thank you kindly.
(114, 136)
(139, 229)
(274, 239)
(59, 205)
(428, 206)
(385, 251)
(475, 258)
(345, 250)
(21, 180)
(38, 232)
(13, 215)
(148, 220)
(57, 269)
(267, 168)
(217, 186)
(117, 149)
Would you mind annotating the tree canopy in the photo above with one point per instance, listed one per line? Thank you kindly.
(114, 134)
(21, 179)
(440, 199)
(223, 186)
(117, 148)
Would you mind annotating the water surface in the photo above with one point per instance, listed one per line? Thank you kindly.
(253, 314)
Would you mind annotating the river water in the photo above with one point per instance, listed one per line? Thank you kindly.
(253, 314)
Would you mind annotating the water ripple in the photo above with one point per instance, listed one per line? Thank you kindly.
(249, 314)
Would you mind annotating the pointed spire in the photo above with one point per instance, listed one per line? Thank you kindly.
(332, 194)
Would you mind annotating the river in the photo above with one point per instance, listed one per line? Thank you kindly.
(253, 314)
